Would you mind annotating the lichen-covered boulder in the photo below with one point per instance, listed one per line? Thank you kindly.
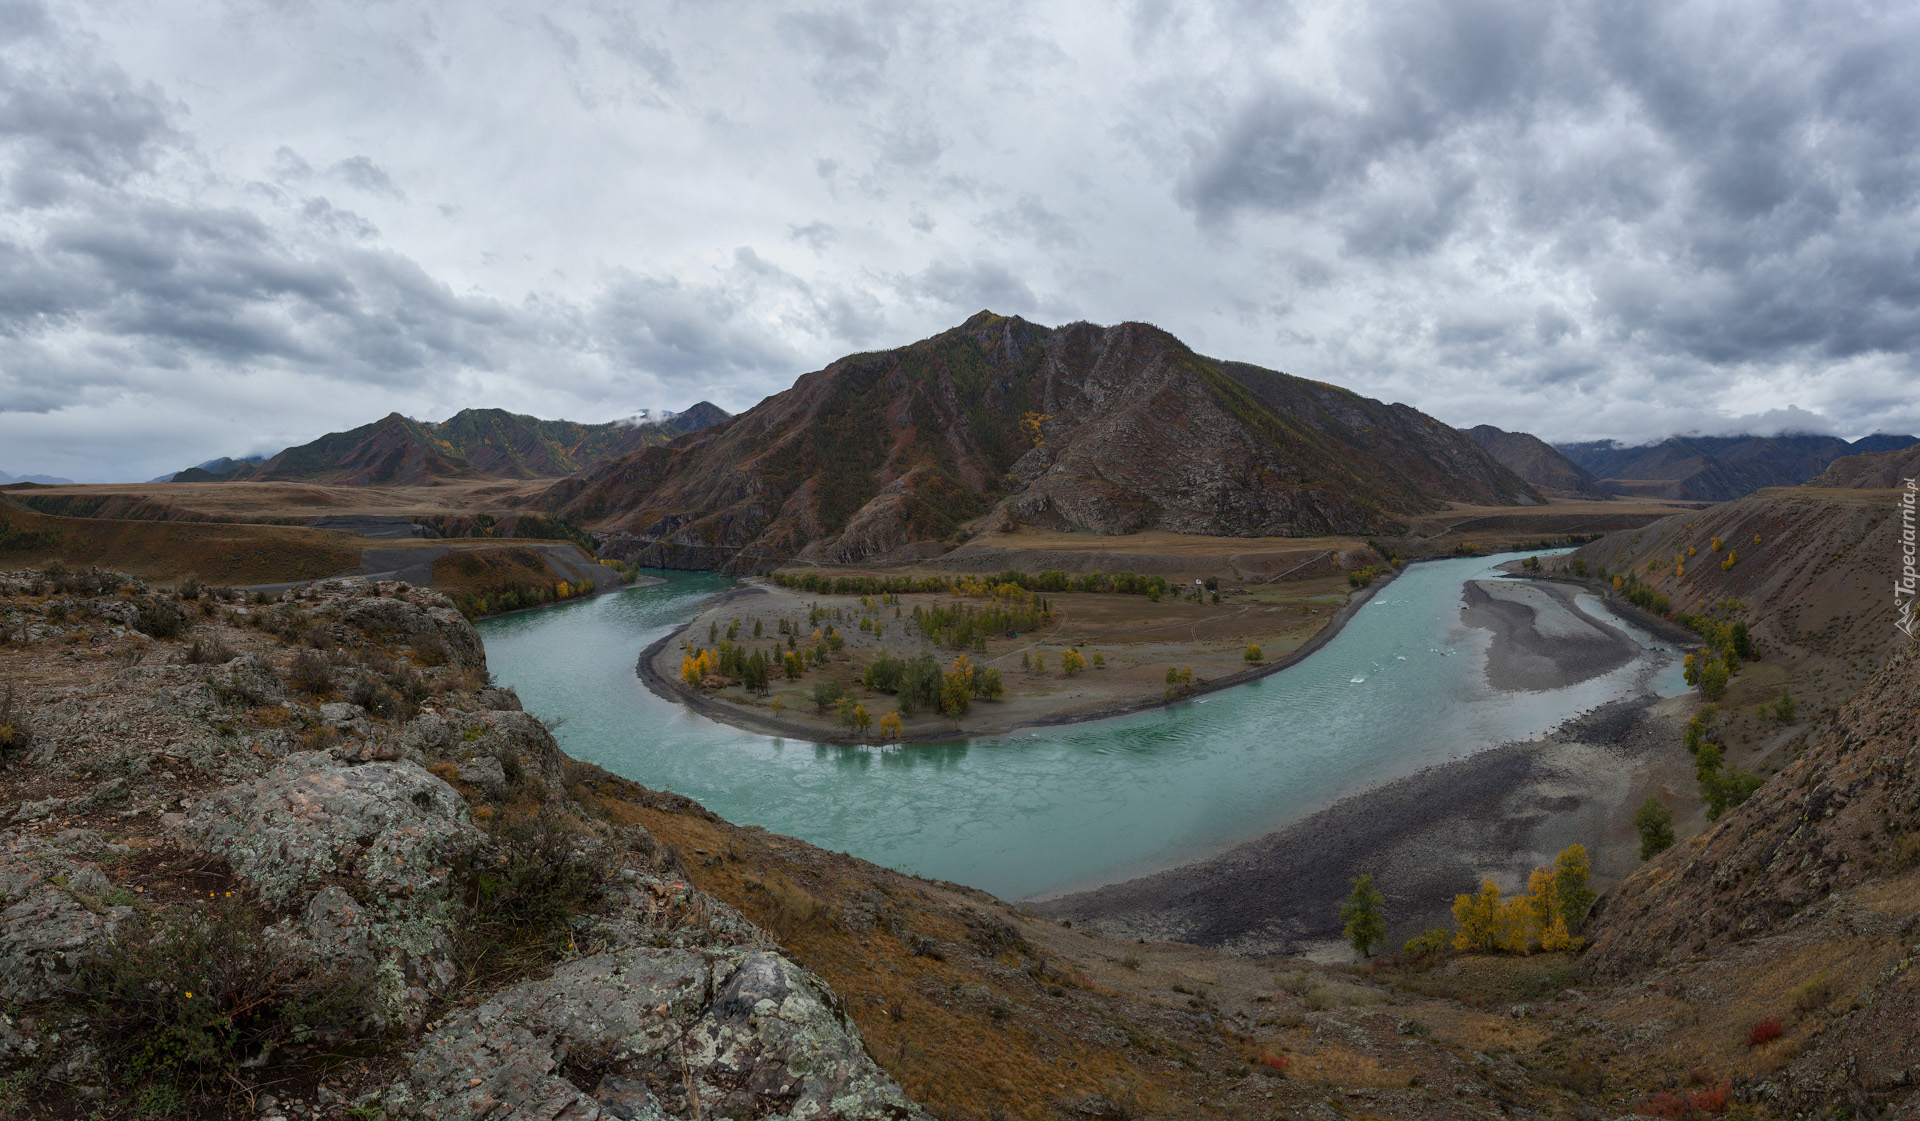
(53, 912)
(397, 832)
(516, 742)
(395, 827)
(247, 680)
(419, 617)
(729, 1033)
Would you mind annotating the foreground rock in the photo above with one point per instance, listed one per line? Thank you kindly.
(647, 1033)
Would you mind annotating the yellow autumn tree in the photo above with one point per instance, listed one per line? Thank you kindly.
(1556, 939)
(860, 719)
(697, 665)
(1476, 919)
(890, 726)
(956, 688)
(1543, 902)
(1072, 662)
(1513, 925)
(1030, 427)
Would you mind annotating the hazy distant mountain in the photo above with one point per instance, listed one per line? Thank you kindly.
(1538, 462)
(881, 451)
(1718, 468)
(48, 480)
(473, 443)
(200, 472)
(1873, 470)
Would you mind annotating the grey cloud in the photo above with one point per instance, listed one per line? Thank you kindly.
(817, 235)
(850, 49)
(289, 166)
(972, 285)
(1030, 219)
(1585, 217)
(1732, 191)
(361, 172)
(685, 335)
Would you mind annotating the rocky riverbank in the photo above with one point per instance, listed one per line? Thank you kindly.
(1434, 834)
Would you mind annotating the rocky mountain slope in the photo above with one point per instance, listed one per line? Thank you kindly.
(1811, 568)
(1538, 462)
(1795, 918)
(1717, 468)
(473, 443)
(1871, 470)
(1001, 421)
(1846, 811)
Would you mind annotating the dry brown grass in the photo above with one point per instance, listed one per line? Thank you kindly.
(214, 553)
(966, 1041)
(242, 502)
(487, 569)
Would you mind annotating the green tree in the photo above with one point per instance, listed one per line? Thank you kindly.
(1726, 789)
(1783, 708)
(1572, 876)
(1366, 927)
(1655, 823)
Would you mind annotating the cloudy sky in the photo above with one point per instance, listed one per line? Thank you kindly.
(228, 227)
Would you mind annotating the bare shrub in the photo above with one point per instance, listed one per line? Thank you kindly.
(310, 673)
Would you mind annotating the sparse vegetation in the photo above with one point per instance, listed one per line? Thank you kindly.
(311, 673)
(182, 1000)
(536, 876)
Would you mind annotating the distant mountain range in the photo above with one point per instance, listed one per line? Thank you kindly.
(1718, 468)
(472, 444)
(1539, 463)
(49, 480)
(1001, 422)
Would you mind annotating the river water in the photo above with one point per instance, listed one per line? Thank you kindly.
(1038, 812)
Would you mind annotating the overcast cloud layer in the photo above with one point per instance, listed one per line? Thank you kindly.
(228, 228)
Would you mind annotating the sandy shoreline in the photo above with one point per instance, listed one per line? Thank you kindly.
(1435, 833)
(664, 684)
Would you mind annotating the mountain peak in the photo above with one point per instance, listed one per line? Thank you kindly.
(885, 450)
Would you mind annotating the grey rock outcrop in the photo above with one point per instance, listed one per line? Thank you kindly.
(420, 617)
(52, 914)
(394, 826)
(396, 832)
(649, 1033)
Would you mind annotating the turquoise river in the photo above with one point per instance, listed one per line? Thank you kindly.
(1037, 812)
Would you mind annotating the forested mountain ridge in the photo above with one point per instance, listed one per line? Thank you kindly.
(473, 443)
(1002, 421)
